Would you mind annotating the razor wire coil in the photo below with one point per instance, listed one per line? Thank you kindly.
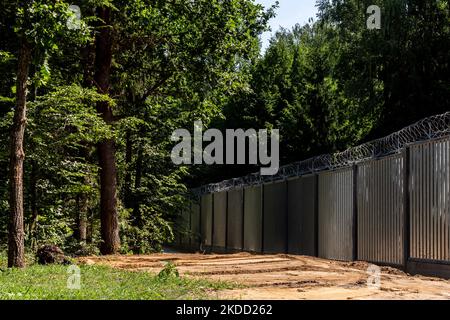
(426, 129)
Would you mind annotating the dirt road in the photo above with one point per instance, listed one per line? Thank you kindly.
(287, 277)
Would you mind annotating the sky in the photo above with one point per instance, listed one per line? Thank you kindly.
(289, 13)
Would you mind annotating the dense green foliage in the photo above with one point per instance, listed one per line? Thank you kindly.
(102, 283)
(326, 85)
(173, 62)
(333, 83)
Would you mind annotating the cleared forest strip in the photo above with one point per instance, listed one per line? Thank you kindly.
(286, 276)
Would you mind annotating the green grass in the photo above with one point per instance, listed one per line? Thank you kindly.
(100, 283)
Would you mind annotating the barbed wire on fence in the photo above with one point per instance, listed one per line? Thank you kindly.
(427, 129)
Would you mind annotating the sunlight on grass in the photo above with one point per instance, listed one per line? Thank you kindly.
(100, 283)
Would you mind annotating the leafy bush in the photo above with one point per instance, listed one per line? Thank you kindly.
(146, 235)
(169, 271)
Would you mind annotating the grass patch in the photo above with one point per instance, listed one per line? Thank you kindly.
(101, 283)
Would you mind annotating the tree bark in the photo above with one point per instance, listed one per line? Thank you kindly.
(128, 196)
(17, 156)
(84, 215)
(106, 150)
(137, 184)
(34, 206)
(90, 226)
(81, 218)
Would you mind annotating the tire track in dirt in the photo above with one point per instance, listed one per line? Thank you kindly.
(286, 277)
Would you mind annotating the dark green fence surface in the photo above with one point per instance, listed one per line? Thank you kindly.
(253, 219)
(275, 218)
(220, 221)
(393, 210)
(206, 219)
(235, 231)
(302, 216)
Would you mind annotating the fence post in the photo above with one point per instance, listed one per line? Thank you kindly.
(262, 217)
(243, 219)
(213, 195)
(200, 222)
(199, 243)
(355, 212)
(226, 221)
(286, 215)
(406, 207)
(190, 225)
(316, 215)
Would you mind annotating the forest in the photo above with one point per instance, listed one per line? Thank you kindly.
(87, 107)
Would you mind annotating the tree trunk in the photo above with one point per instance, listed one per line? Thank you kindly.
(34, 207)
(90, 226)
(81, 218)
(88, 60)
(106, 150)
(84, 215)
(17, 156)
(137, 184)
(128, 196)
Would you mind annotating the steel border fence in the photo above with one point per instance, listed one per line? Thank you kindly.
(420, 186)
(427, 129)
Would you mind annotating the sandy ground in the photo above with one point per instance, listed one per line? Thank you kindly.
(280, 277)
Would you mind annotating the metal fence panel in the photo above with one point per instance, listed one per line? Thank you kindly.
(186, 226)
(220, 220)
(182, 228)
(302, 216)
(253, 219)
(275, 218)
(336, 215)
(235, 219)
(381, 219)
(206, 219)
(195, 225)
(430, 200)
(177, 228)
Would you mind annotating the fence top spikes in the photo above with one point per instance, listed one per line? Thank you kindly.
(429, 128)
